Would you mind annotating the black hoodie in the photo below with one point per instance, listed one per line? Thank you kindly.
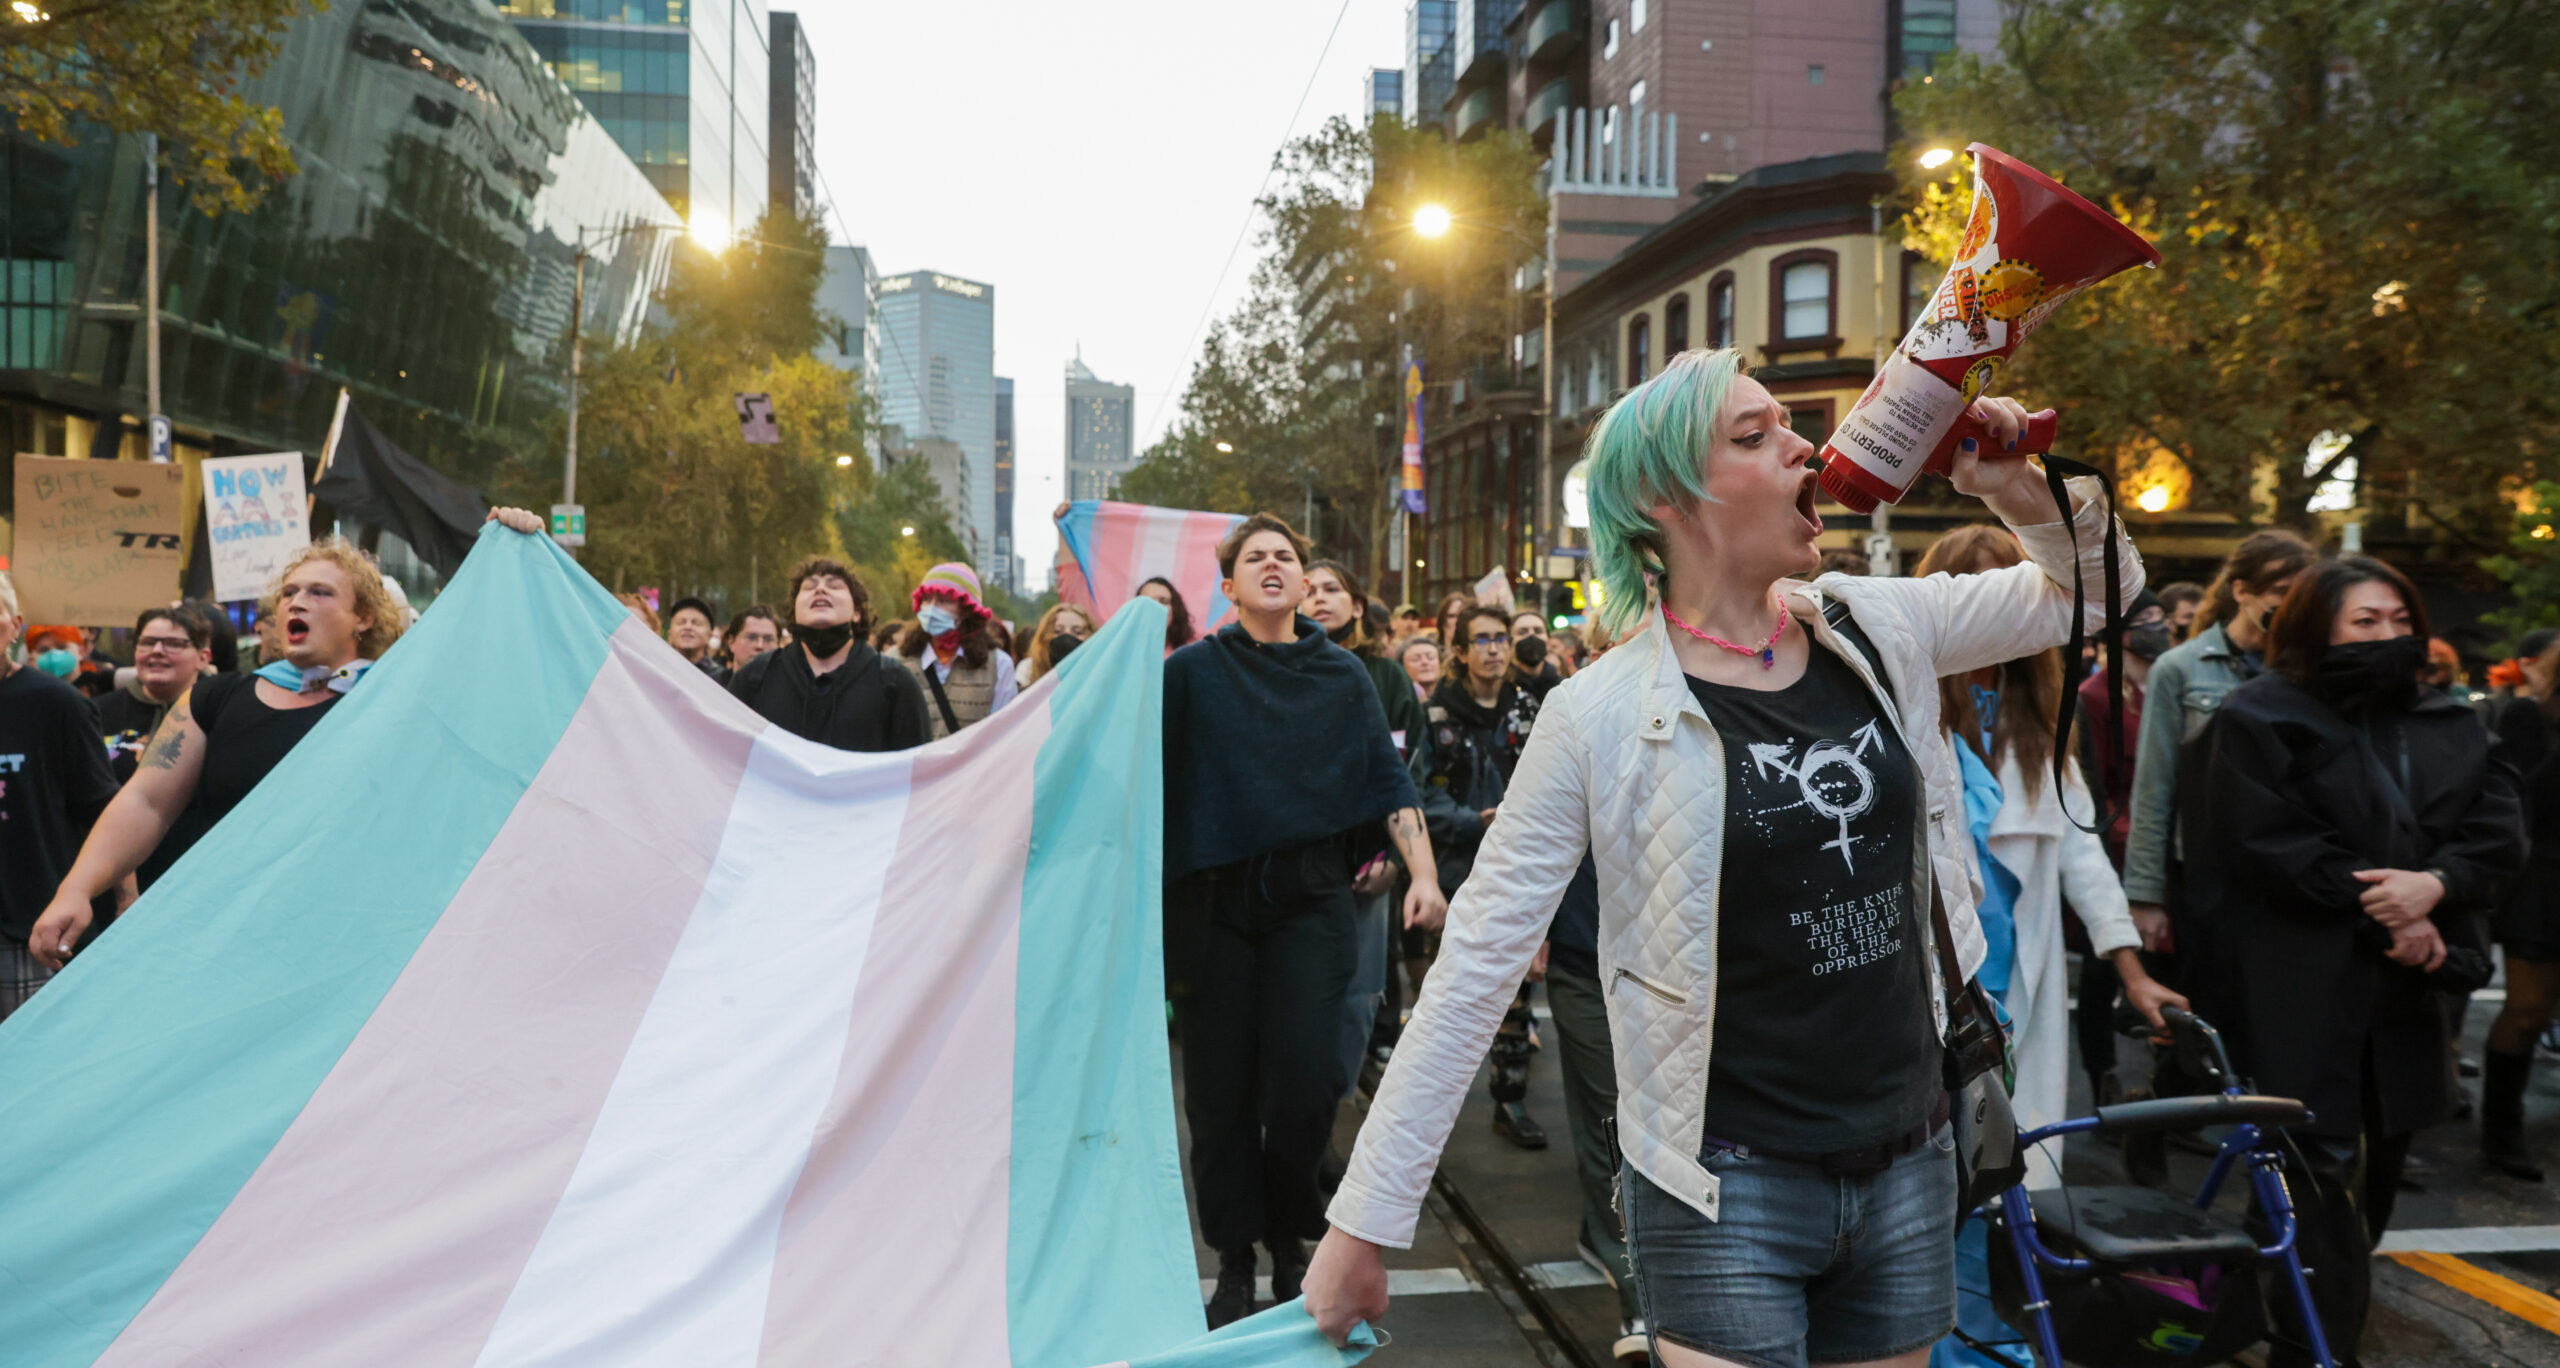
(1473, 751)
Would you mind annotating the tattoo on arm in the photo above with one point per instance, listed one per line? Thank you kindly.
(170, 742)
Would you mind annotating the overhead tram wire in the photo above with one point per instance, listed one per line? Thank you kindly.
(1245, 229)
(828, 193)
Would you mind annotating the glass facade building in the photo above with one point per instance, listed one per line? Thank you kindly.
(1007, 569)
(791, 125)
(1100, 422)
(683, 85)
(1429, 27)
(1382, 92)
(938, 379)
(422, 257)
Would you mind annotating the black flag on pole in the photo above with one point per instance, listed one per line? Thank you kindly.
(370, 480)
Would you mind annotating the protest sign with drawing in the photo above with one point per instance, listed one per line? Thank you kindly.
(96, 541)
(255, 519)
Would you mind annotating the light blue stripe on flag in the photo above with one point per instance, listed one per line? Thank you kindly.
(1282, 1337)
(1076, 530)
(1098, 1258)
(140, 1089)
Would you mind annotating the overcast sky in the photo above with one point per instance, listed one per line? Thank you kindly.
(1093, 162)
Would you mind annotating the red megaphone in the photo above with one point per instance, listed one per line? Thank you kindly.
(2029, 245)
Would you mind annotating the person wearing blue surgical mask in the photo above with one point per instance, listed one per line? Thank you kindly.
(951, 650)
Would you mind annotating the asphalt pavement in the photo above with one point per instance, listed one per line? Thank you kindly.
(2470, 1274)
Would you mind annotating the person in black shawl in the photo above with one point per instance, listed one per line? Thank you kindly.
(829, 685)
(1277, 760)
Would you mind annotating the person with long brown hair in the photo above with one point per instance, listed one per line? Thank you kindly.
(1445, 625)
(1179, 630)
(952, 651)
(2030, 855)
(2348, 829)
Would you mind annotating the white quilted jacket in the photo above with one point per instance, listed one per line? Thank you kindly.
(1625, 763)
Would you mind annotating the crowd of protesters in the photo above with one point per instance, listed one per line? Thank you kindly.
(1765, 829)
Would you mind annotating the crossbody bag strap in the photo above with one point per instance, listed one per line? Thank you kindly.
(950, 719)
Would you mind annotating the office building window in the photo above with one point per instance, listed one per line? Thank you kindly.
(1810, 419)
(1635, 16)
(1800, 290)
(1675, 326)
(1609, 43)
(1639, 348)
(1720, 311)
(1635, 99)
(1595, 379)
(1813, 74)
(1608, 125)
(1928, 33)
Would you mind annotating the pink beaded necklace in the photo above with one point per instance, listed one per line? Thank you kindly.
(1767, 650)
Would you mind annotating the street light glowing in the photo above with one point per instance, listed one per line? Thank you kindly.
(1936, 157)
(1431, 220)
(844, 460)
(2153, 500)
(1226, 446)
(906, 531)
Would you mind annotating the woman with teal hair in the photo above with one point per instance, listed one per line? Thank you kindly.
(1763, 783)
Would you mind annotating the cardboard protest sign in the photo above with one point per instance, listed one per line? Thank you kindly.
(255, 519)
(96, 541)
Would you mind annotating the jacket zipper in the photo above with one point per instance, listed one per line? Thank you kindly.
(1667, 995)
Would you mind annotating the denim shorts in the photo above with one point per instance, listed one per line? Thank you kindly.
(1801, 1268)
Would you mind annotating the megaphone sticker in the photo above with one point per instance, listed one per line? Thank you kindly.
(2010, 288)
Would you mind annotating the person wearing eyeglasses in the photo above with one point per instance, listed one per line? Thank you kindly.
(1480, 718)
(169, 652)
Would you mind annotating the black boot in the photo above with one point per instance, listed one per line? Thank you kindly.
(1512, 1121)
(1288, 1270)
(1233, 1299)
(2502, 1083)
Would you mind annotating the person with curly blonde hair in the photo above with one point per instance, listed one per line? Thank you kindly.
(335, 615)
(1061, 629)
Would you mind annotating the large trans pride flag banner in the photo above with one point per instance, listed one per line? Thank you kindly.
(547, 1007)
(1106, 550)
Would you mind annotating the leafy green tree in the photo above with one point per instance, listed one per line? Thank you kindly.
(2530, 566)
(171, 67)
(1301, 384)
(2358, 206)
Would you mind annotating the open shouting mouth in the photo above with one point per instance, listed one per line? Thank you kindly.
(1806, 495)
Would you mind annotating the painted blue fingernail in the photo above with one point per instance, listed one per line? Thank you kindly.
(1969, 444)
(2013, 444)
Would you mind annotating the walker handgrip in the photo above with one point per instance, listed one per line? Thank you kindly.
(2186, 1113)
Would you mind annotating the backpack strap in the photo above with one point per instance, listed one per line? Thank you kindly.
(950, 719)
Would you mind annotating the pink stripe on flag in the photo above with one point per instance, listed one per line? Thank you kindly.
(893, 1246)
(1197, 554)
(390, 1223)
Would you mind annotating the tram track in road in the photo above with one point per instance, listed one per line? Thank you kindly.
(1508, 1280)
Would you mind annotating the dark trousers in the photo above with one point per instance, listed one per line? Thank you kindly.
(1262, 1066)
(1510, 1052)
(1588, 1067)
(2342, 1204)
(2094, 1025)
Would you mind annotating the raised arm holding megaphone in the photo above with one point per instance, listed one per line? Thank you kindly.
(2028, 245)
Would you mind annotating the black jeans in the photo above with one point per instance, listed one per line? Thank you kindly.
(1268, 964)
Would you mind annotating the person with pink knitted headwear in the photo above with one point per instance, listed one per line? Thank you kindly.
(951, 652)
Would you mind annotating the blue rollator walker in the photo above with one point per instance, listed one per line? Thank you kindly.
(2131, 1275)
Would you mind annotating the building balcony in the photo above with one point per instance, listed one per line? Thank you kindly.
(1554, 31)
(1482, 109)
(1550, 103)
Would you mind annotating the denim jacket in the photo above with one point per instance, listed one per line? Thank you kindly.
(2186, 688)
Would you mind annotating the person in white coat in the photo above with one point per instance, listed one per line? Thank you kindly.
(1780, 1051)
(2028, 855)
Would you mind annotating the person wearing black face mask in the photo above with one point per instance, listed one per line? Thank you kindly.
(2346, 837)
(829, 685)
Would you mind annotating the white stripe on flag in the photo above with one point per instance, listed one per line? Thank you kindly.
(661, 1250)
(1159, 547)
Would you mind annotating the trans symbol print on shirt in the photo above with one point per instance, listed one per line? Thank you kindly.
(1830, 778)
(1814, 822)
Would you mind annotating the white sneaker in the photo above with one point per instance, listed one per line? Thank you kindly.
(1633, 1347)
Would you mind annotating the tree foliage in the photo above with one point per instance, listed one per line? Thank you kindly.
(171, 67)
(1301, 381)
(2358, 206)
(676, 498)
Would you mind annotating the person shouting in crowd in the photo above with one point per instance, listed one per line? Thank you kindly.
(2029, 856)
(1337, 603)
(1178, 629)
(2528, 917)
(54, 783)
(952, 651)
(2348, 830)
(828, 685)
(754, 631)
(1481, 717)
(1770, 803)
(1261, 829)
(219, 741)
(689, 631)
(1420, 657)
(169, 652)
(1060, 630)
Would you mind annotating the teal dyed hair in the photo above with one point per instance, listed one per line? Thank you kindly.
(1650, 448)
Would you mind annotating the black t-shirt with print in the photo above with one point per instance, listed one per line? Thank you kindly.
(126, 720)
(53, 784)
(243, 740)
(1824, 1040)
